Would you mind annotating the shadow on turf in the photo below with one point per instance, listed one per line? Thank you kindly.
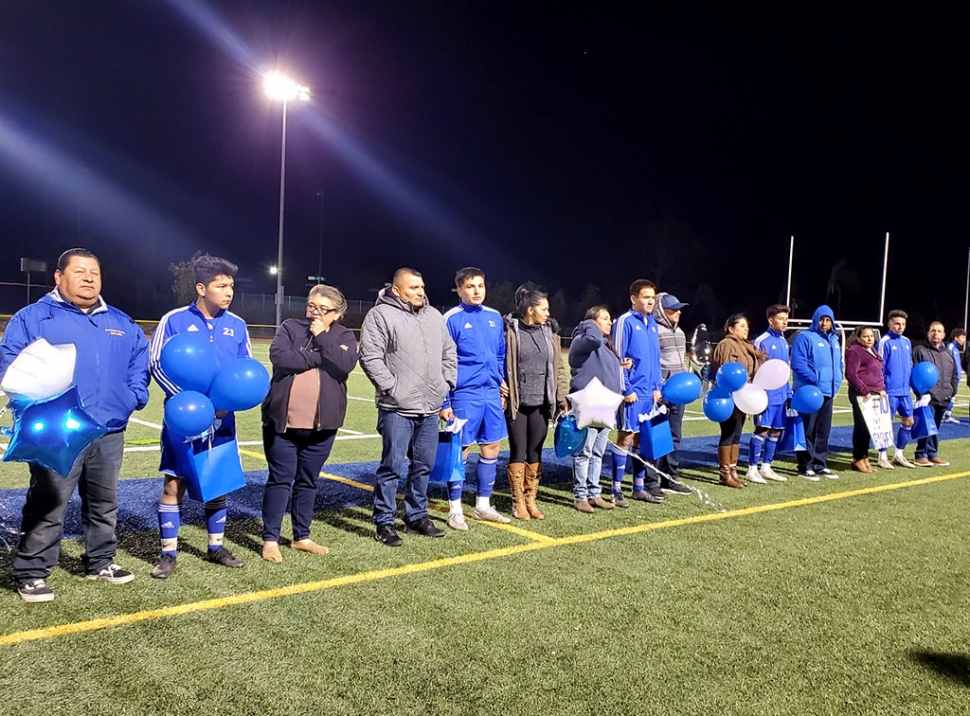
(955, 667)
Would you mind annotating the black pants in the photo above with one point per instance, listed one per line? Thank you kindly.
(294, 458)
(818, 425)
(527, 433)
(860, 431)
(731, 429)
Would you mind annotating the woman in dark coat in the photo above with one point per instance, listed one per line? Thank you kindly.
(864, 371)
(307, 402)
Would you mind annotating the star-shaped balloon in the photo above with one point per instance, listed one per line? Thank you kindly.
(595, 405)
(52, 432)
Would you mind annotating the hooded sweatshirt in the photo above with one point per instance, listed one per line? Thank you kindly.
(673, 342)
(816, 358)
(591, 356)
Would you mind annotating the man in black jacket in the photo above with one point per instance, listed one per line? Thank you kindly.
(936, 352)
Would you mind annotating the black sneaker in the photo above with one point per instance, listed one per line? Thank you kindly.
(619, 500)
(224, 557)
(112, 574)
(35, 590)
(425, 527)
(674, 487)
(386, 534)
(645, 496)
(165, 567)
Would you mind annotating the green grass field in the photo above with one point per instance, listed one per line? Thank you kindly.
(838, 597)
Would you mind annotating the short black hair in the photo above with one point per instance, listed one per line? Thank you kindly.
(640, 284)
(776, 308)
(594, 311)
(527, 296)
(404, 271)
(896, 313)
(64, 259)
(466, 273)
(205, 268)
(956, 333)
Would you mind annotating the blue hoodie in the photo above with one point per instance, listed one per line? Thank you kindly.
(816, 358)
(590, 356)
(897, 363)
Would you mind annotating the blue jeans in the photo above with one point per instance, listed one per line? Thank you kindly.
(295, 458)
(930, 446)
(405, 438)
(588, 464)
(95, 475)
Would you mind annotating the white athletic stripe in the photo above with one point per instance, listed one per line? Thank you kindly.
(145, 423)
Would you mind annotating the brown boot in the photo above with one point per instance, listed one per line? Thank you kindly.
(532, 472)
(724, 467)
(735, 451)
(516, 472)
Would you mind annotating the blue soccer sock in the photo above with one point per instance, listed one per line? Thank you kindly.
(485, 475)
(169, 521)
(215, 519)
(619, 462)
(902, 437)
(755, 448)
(454, 497)
(639, 472)
(770, 447)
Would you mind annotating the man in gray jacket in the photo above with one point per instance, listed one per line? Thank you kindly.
(407, 353)
(673, 360)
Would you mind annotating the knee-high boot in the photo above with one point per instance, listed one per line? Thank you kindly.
(516, 471)
(724, 467)
(532, 473)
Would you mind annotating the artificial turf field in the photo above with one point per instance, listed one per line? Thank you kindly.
(844, 596)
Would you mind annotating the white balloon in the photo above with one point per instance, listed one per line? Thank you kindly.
(40, 371)
(751, 399)
(773, 374)
(595, 405)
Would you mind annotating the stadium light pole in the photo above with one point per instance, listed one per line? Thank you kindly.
(282, 88)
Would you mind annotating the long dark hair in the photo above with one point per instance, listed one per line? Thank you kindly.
(527, 296)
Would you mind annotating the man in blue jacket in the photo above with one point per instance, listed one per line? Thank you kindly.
(816, 359)
(958, 340)
(208, 316)
(479, 335)
(111, 375)
(897, 366)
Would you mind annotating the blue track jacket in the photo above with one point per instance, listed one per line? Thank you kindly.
(816, 358)
(479, 336)
(775, 345)
(226, 332)
(897, 363)
(111, 372)
(957, 358)
(636, 337)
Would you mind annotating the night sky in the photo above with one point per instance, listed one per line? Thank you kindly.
(573, 147)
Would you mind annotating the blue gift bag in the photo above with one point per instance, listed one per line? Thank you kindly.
(448, 463)
(793, 439)
(924, 423)
(211, 468)
(655, 438)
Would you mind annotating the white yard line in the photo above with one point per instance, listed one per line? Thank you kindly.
(139, 421)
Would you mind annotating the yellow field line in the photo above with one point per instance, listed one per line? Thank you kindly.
(250, 453)
(363, 577)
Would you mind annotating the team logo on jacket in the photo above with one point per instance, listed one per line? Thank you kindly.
(822, 345)
(114, 331)
(468, 325)
(491, 324)
(192, 328)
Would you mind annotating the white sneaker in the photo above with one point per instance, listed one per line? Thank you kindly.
(754, 476)
(456, 520)
(900, 459)
(809, 475)
(825, 472)
(490, 514)
(770, 474)
(885, 464)
(951, 420)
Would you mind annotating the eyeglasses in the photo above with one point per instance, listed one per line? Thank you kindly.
(321, 310)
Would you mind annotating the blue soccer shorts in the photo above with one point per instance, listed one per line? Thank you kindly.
(486, 421)
(169, 464)
(628, 416)
(773, 418)
(901, 405)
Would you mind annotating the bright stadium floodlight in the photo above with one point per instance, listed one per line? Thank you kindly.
(279, 87)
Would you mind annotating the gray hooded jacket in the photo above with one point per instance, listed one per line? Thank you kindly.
(408, 355)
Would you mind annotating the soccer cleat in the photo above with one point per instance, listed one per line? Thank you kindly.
(490, 514)
(900, 459)
(939, 461)
(583, 506)
(35, 590)
(112, 574)
(952, 420)
(164, 568)
(423, 526)
(619, 500)
(456, 520)
(752, 475)
(386, 534)
(769, 474)
(825, 472)
(675, 487)
(645, 496)
(884, 464)
(224, 557)
(808, 475)
(922, 462)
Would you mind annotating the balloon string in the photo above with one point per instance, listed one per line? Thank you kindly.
(702, 496)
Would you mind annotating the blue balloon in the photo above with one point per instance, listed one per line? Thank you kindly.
(189, 414)
(681, 389)
(240, 384)
(52, 432)
(731, 376)
(807, 399)
(189, 361)
(718, 407)
(924, 377)
(569, 438)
